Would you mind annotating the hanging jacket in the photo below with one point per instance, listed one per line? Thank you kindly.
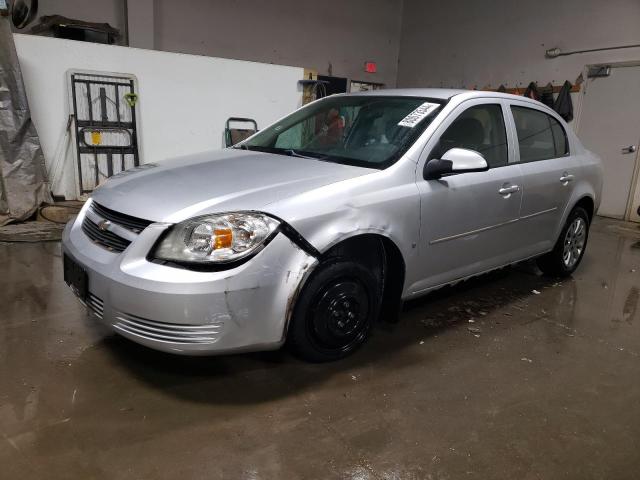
(546, 95)
(563, 105)
(532, 91)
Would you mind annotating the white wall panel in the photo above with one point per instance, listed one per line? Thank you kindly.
(184, 100)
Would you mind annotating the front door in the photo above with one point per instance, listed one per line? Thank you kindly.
(610, 127)
(468, 221)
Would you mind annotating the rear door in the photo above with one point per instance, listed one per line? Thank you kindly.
(468, 220)
(548, 174)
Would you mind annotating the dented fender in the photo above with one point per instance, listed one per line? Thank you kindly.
(370, 204)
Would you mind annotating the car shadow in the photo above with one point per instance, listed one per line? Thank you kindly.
(254, 378)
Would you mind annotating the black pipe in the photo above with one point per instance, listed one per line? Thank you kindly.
(556, 52)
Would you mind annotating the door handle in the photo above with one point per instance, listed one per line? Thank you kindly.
(566, 178)
(629, 149)
(506, 191)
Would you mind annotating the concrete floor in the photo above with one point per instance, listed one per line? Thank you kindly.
(548, 386)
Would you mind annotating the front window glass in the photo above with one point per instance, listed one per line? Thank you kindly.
(368, 131)
(480, 128)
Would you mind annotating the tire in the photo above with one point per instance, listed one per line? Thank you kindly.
(335, 311)
(568, 251)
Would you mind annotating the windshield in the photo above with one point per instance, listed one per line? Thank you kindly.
(368, 131)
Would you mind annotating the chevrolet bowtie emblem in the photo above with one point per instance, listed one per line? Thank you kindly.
(104, 225)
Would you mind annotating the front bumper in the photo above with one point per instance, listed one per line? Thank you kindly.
(188, 312)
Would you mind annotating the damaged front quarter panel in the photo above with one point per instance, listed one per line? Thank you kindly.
(296, 279)
(373, 204)
(261, 298)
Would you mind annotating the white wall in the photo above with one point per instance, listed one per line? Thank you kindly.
(473, 43)
(184, 100)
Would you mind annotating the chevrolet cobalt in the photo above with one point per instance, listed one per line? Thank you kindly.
(312, 229)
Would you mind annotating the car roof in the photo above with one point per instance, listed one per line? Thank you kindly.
(446, 94)
(438, 93)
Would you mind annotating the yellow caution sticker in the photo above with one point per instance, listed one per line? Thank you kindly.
(96, 138)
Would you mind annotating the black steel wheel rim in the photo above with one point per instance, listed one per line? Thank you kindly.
(339, 316)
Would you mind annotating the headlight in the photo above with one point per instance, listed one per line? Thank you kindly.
(219, 238)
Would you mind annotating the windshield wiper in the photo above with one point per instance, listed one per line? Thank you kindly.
(292, 153)
(282, 151)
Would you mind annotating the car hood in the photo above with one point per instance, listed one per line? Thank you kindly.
(211, 182)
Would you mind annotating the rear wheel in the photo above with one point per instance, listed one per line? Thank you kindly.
(569, 249)
(335, 311)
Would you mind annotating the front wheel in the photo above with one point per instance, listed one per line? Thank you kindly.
(566, 255)
(335, 311)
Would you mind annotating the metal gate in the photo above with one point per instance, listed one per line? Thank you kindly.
(105, 126)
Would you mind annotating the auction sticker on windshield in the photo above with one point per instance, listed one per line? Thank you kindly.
(418, 114)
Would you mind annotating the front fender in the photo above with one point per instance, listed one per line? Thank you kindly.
(380, 204)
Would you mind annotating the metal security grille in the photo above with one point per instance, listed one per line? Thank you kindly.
(105, 127)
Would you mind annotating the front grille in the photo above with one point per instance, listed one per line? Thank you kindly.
(134, 224)
(167, 332)
(95, 304)
(107, 239)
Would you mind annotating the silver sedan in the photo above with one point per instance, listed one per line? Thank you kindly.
(314, 228)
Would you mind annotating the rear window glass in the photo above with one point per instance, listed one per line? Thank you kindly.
(540, 136)
(559, 138)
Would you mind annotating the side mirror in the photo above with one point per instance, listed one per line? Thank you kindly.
(456, 160)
